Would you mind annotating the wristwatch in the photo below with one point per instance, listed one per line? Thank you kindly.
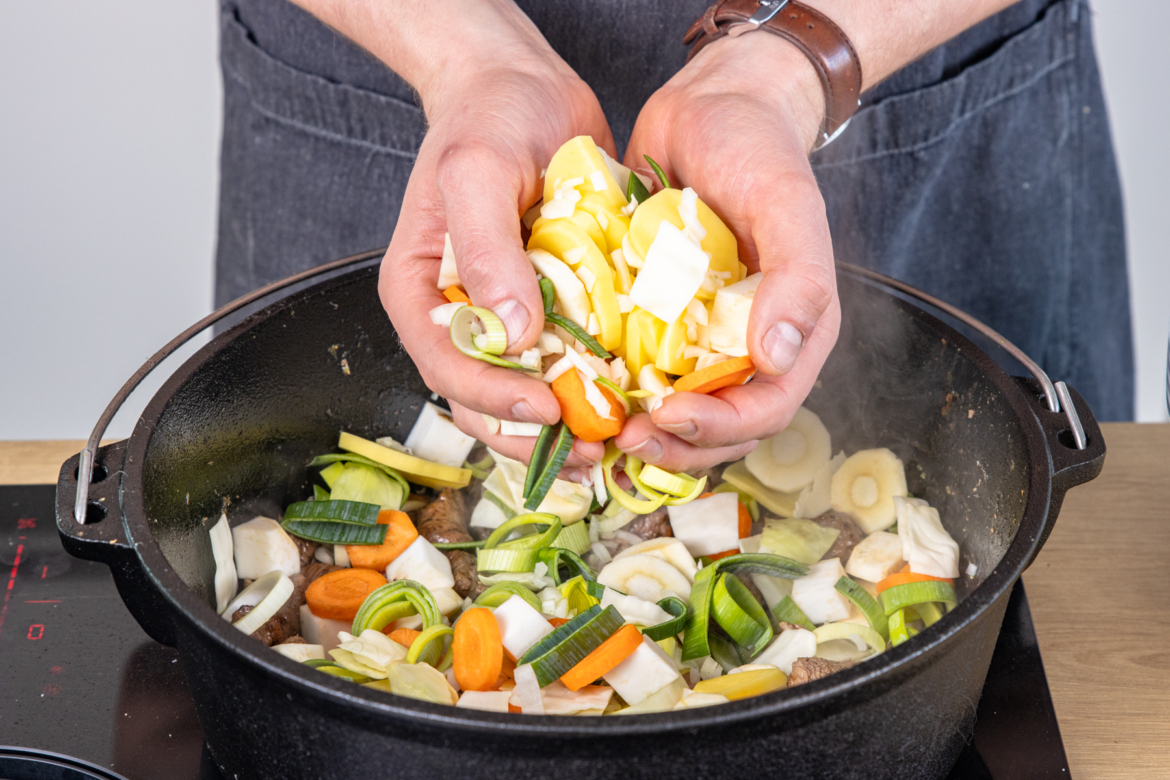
(817, 36)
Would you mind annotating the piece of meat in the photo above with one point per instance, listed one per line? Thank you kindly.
(295, 640)
(286, 623)
(651, 526)
(444, 520)
(746, 578)
(306, 549)
(809, 669)
(316, 570)
(850, 536)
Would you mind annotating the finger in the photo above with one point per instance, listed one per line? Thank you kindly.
(643, 439)
(757, 410)
(481, 190)
(583, 455)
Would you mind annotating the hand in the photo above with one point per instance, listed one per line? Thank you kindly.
(740, 135)
(496, 118)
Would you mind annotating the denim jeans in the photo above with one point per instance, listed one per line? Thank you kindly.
(983, 173)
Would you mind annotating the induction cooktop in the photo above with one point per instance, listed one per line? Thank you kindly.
(85, 693)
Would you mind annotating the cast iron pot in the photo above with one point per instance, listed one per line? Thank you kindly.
(236, 425)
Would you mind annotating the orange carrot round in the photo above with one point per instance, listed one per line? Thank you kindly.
(604, 657)
(905, 576)
(403, 636)
(456, 295)
(724, 554)
(557, 622)
(727, 373)
(477, 652)
(582, 419)
(339, 594)
(398, 537)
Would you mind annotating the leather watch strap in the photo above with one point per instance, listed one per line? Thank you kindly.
(827, 47)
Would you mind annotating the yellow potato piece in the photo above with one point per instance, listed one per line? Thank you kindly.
(744, 685)
(604, 300)
(585, 221)
(616, 224)
(643, 332)
(663, 205)
(670, 346)
(417, 470)
(580, 157)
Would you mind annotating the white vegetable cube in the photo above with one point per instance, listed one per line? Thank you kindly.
(876, 557)
(674, 271)
(773, 589)
(435, 437)
(301, 652)
(644, 671)
(707, 525)
(727, 332)
(261, 546)
(521, 626)
(486, 701)
(633, 609)
(786, 648)
(322, 631)
(424, 564)
(816, 594)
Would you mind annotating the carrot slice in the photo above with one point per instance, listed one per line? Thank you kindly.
(905, 576)
(456, 295)
(477, 652)
(556, 622)
(403, 636)
(727, 373)
(604, 657)
(339, 594)
(724, 554)
(398, 537)
(582, 419)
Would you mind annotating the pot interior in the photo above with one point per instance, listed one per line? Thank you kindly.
(234, 428)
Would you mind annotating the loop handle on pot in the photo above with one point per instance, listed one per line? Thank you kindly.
(85, 462)
(1056, 395)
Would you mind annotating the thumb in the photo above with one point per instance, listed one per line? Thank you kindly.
(481, 192)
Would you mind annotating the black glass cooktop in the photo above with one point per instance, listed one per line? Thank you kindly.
(85, 693)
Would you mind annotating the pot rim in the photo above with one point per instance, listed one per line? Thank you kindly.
(869, 679)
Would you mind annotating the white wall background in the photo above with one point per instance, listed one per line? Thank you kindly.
(109, 117)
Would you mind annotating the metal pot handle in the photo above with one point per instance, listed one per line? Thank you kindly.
(85, 464)
(1056, 394)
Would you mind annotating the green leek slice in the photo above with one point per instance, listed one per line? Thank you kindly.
(568, 645)
(556, 557)
(696, 491)
(695, 643)
(576, 592)
(574, 538)
(538, 458)
(473, 545)
(552, 525)
(577, 332)
(762, 563)
(556, 459)
(354, 512)
(502, 591)
(624, 499)
(636, 190)
(914, 593)
(900, 630)
(786, 611)
(614, 388)
(320, 493)
(508, 511)
(465, 342)
(831, 631)
(548, 294)
(667, 628)
(929, 612)
(739, 614)
(396, 600)
(349, 457)
(725, 652)
(329, 532)
(495, 560)
(665, 482)
(866, 603)
(423, 648)
(343, 673)
(658, 172)
(314, 663)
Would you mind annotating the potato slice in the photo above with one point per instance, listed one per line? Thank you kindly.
(580, 157)
(663, 205)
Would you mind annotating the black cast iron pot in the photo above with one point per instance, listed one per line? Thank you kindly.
(236, 425)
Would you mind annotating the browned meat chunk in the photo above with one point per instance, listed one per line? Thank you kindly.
(306, 549)
(809, 669)
(316, 570)
(651, 526)
(286, 623)
(445, 520)
(850, 536)
(295, 640)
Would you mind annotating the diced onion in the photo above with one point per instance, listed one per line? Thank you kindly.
(603, 556)
(597, 179)
(602, 219)
(629, 255)
(628, 209)
(587, 278)
(692, 351)
(550, 344)
(266, 596)
(562, 205)
(442, 315)
(582, 365)
(709, 359)
(625, 305)
(574, 255)
(688, 210)
(598, 475)
(972, 569)
(530, 358)
(559, 367)
(697, 311)
(597, 399)
(625, 281)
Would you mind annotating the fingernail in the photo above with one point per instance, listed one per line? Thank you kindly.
(522, 411)
(515, 319)
(649, 451)
(684, 429)
(782, 342)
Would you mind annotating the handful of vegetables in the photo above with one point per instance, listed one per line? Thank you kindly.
(644, 296)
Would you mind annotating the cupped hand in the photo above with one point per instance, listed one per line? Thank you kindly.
(737, 125)
(493, 125)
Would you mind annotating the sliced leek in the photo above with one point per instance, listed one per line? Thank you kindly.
(668, 628)
(473, 545)
(476, 345)
(576, 592)
(568, 645)
(573, 537)
(552, 525)
(424, 647)
(831, 631)
(556, 459)
(786, 611)
(497, 594)
(354, 512)
(498, 560)
(914, 593)
(538, 458)
(265, 596)
(695, 643)
(556, 557)
(665, 482)
(329, 532)
(349, 457)
(739, 614)
(636, 190)
(393, 601)
(866, 603)
(929, 612)
(762, 563)
(658, 172)
(508, 511)
(900, 630)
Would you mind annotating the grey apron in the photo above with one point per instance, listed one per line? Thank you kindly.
(983, 173)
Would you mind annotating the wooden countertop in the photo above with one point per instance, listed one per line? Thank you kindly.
(1099, 595)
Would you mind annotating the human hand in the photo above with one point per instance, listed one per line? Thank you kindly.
(741, 137)
(496, 117)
